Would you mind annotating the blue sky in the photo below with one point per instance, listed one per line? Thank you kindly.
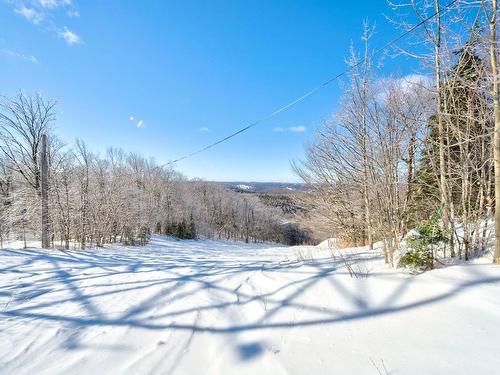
(188, 73)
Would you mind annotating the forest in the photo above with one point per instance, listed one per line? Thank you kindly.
(417, 152)
(119, 197)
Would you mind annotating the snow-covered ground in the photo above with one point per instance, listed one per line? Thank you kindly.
(206, 307)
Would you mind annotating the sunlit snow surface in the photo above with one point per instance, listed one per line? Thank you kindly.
(208, 307)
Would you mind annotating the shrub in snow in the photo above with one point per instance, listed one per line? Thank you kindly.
(144, 235)
(182, 230)
(421, 243)
(141, 238)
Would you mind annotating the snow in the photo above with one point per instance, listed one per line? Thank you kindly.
(328, 243)
(209, 307)
(244, 187)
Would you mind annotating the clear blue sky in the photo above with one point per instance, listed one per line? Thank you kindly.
(191, 71)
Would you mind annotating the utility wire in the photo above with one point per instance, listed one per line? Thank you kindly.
(314, 90)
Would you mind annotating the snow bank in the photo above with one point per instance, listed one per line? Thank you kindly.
(329, 243)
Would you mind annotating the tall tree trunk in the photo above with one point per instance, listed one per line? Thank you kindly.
(442, 161)
(364, 134)
(441, 103)
(496, 134)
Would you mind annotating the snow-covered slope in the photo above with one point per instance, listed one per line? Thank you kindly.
(205, 307)
(244, 187)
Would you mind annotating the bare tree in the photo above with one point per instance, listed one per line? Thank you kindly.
(491, 8)
(23, 120)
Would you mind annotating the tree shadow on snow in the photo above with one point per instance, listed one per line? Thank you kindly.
(168, 286)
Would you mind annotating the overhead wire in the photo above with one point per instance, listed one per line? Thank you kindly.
(283, 108)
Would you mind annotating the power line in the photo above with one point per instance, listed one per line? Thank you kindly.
(314, 90)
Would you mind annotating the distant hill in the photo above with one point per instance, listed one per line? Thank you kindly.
(262, 187)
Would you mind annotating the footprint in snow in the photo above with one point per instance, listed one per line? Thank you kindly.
(274, 349)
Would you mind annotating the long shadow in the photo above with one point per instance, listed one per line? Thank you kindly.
(168, 275)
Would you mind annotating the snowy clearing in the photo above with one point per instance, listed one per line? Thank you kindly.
(207, 307)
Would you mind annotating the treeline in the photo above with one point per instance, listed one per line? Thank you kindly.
(286, 202)
(116, 197)
(419, 151)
